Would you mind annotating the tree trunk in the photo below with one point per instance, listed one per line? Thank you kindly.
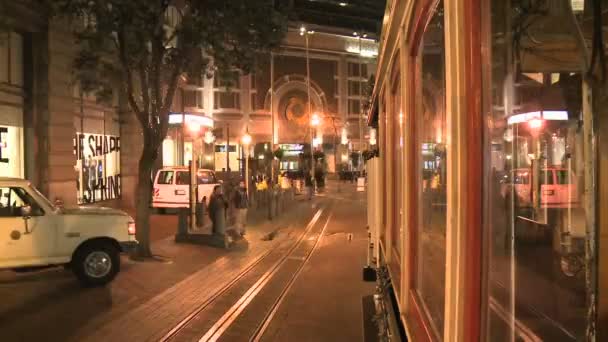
(144, 197)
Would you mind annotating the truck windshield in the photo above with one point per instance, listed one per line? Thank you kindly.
(42, 198)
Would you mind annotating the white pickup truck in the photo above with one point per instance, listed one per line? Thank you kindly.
(35, 233)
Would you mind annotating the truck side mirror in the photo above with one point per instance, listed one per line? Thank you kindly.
(26, 211)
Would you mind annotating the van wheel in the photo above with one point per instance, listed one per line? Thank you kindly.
(162, 211)
(96, 263)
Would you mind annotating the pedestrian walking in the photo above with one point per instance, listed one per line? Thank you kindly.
(308, 184)
(241, 204)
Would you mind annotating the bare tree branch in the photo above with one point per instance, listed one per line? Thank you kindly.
(128, 75)
(169, 95)
(144, 81)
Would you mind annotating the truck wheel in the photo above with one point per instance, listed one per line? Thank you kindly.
(96, 263)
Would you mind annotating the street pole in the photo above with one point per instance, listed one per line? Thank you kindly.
(272, 138)
(360, 111)
(228, 149)
(312, 157)
(247, 170)
(183, 135)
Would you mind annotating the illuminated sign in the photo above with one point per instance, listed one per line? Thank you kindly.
(558, 115)
(204, 121)
(291, 149)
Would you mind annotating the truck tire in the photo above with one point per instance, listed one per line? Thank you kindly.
(96, 263)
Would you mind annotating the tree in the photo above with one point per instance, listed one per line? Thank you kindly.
(155, 45)
(279, 153)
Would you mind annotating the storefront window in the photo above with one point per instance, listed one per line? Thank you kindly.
(11, 142)
(536, 209)
(432, 149)
(98, 167)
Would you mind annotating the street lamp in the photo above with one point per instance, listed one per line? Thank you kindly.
(246, 141)
(314, 122)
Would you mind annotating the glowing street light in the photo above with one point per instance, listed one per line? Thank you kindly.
(209, 138)
(315, 121)
(536, 123)
(246, 139)
(193, 127)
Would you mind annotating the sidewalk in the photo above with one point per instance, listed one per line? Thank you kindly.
(146, 297)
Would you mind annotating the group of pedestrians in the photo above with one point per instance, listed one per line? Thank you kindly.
(319, 181)
(220, 202)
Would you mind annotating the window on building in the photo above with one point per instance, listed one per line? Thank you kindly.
(354, 107)
(194, 98)
(254, 102)
(227, 92)
(357, 70)
(227, 100)
(11, 58)
(432, 174)
(354, 88)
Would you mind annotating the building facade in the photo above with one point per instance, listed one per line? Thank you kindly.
(71, 147)
(273, 99)
(78, 151)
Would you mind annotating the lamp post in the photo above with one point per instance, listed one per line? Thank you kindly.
(304, 32)
(246, 140)
(314, 122)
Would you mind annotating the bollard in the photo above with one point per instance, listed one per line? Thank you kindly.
(219, 220)
(269, 205)
(200, 214)
(182, 222)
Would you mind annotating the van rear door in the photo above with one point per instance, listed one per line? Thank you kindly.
(182, 188)
(162, 196)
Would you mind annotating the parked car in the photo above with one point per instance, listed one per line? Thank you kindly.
(172, 187)
(558, 187)
(34, 234)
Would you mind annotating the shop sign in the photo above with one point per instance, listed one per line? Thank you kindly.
(98, 167)
(291, 149)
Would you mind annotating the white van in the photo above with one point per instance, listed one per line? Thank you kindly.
(171, 187)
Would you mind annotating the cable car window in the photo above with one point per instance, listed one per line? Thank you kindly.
(535, 77)
(432, 174)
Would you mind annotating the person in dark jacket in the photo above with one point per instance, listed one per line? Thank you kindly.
(217, 209)
(241, 203)
(309, 185)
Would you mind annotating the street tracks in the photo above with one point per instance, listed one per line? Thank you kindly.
(246, 305)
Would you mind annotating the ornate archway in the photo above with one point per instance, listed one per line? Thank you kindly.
(290, 106)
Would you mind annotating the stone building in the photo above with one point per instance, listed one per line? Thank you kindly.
(338, 79)
(71, 147)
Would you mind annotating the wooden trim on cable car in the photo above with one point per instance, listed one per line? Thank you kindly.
(474, 170)
(416, 319)
(601, 316)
